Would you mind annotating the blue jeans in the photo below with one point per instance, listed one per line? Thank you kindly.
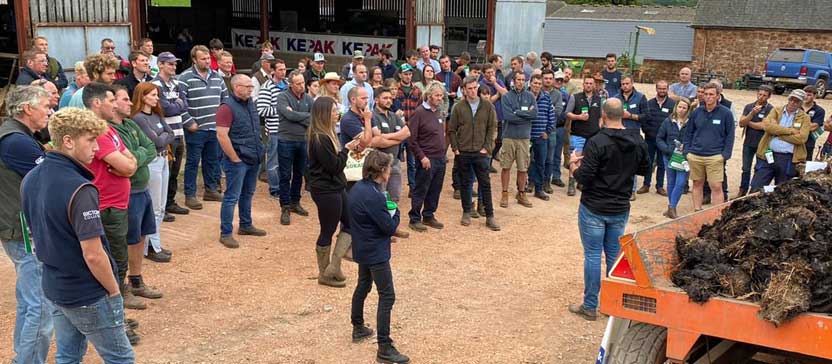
(201, 145)
(748, 156)
(537, 169)
(102, 323)
(292, 156)
(33, 323)
(599, 233)
(272, 163)
(655, 156)
(780, 171)
(555, 155)
(240, 180)
(427, 190)
(158, 187)
(676, 183)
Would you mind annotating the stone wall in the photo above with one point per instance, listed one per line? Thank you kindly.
(736, 52)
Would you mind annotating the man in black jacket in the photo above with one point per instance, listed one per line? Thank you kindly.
(658, 108)
(611, 159)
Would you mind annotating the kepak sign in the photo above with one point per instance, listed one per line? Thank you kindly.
(308, 43)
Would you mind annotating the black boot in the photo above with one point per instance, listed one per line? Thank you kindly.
(388, 354)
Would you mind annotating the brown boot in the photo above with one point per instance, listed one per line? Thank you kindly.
(504, 200)
(342, 243)
(671, 213)
(523, 199)
(322, 253)
(401, 234)
(130, 301)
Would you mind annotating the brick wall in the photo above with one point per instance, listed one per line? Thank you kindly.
(736, 52)
(650, 71)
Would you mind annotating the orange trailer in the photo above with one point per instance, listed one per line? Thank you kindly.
(652, 321)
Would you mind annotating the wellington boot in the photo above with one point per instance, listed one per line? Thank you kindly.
(342, 243)
(322, 253)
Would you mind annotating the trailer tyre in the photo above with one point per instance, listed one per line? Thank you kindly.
(642, 344)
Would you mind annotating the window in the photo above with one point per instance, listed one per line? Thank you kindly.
(787, 55)
(817, 58)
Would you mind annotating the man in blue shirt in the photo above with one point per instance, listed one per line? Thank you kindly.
(752, 121)
(683, 88)
(19, 153)
(612, 76)
(817, 114)
(708, 143)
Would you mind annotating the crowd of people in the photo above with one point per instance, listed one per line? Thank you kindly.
(109, 148)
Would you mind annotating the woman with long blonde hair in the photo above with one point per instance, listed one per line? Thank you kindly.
(328, 187)
(668, 140)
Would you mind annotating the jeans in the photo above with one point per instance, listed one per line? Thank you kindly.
(292, 160)
(676, 183)
(178, 149)
(475, 165)
(272, 163)
(332, 208)
(599, 233)
(748, 156)
(33, 320)
(241, 180)
(554, 156)
(102, 323)
(394, 184)
(427, 190)
(655, 156)
(201, 145)
(537, 168)
(411, 167)
(780, 171)
(158, 188)
(382, 275)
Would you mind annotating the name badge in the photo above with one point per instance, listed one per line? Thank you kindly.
(717, 121)
(440, 120)
(385, 125)
(664, 109)
(761, 116)
(812, 113)
(398, 127)
(524, 108)
(797, 125)
(159, 125)
(633, 106)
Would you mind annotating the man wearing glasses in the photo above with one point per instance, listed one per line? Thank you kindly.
(109, 47)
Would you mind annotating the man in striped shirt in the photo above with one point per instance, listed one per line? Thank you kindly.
(267, 108)
(204, 90)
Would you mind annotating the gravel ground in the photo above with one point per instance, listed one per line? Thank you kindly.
(463, 295)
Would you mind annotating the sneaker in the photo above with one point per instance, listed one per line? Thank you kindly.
(643, 190)
(661, 191)
(160, 257)
(361, 332)
(251, 230)
(212, 196)
(388, 354)
(504, 200)
(132, 336)
(491, 223)
(229, 242)
(132, 302)
(298, 209)
(145, 291)
(193, 203)
(457, 195)
(558, 182)
(541, 195)
(418, 227)
(583, 313)
(285, 219)
(401, 234)
(174, 208)
(432, 222)
(169, 218)
(466, 219)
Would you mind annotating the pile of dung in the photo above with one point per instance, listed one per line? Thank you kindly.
(774, 249)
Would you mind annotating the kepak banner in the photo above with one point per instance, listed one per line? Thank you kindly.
(308, 43)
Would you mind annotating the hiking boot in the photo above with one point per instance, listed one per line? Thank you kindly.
(193, 203)
(251, 230)
(401, 234)
(361, 332)
(558, 182)
(491, 223)
(229, 242)
(522, 199)
(547, 187)
(541, 195)
(481, 209)
(643, 190)
(298, 209)
(632, 196)
(132, 336)
(388, 354)
(285, 219)
(169, 218)
(457, 195)
(570, 191)
(661, 191)
(132, 302)
(160, 257)
(432, 222)
(143, 290)
(583, 312)
(322, 254)
(466, 219)
(475, 214)
(212, 196)
(343, 243)
(175, 209)
(418, 227)
(671, 213)
(504, 200)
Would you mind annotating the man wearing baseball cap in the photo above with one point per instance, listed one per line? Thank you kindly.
(347, 72)
(784, 143)
(316, 71)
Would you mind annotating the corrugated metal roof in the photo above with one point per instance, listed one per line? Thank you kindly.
(561, 10)
(765, 14)
(584, 38)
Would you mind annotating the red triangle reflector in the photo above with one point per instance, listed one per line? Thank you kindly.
(622, 269)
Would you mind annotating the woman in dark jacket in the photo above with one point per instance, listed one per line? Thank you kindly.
(668, 139)
(327, 184)
(374, 221)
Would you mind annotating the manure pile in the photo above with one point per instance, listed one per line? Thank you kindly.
(774, 249)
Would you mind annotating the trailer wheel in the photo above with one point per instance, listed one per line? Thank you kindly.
(641, 344)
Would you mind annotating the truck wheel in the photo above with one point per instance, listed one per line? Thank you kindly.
(641, 344)
(820, 85)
